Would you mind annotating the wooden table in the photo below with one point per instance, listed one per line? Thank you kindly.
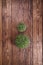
(11, 13)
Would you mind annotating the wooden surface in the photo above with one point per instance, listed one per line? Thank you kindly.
(11, 13)
(0, 32)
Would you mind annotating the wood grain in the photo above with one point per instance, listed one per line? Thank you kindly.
(18, 54)
(0, 32)
(21, 12)
(29, 32)
(12, 12)
(7, 46)
(37, 33)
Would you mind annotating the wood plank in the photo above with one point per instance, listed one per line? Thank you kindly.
(28, 21)
(37, 33)
(7, 46)
(15, 7)
(18, 54)
(21, 12)
(40, 34)
(0, 32)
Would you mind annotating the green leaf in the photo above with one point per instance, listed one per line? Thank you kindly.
(22, 41)
(21, 27)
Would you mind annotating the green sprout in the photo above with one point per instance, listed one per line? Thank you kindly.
(21, 27)
(22, 41)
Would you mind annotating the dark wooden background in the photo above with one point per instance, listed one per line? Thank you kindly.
(11, 13)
